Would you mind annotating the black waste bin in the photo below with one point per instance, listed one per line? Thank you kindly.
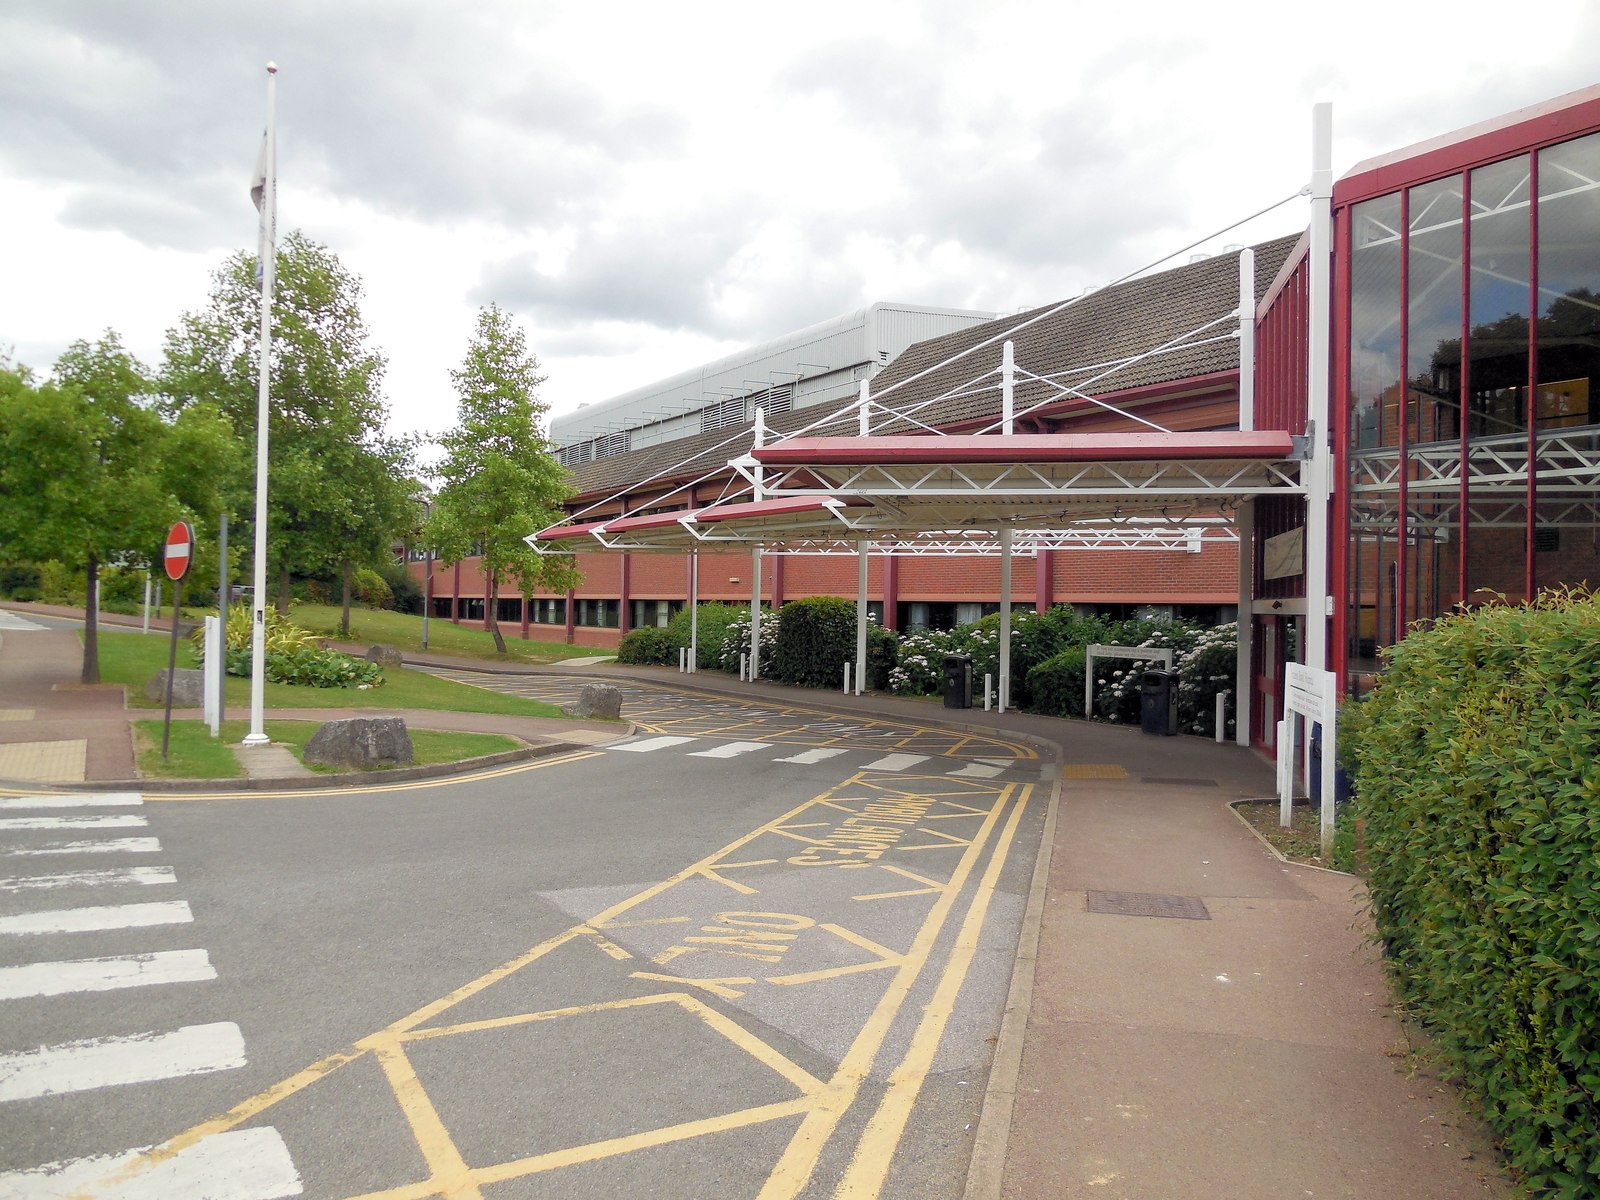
(1158, 702)
(957, 687)
(1341, 779)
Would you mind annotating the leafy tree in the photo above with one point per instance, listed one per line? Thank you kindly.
(93, 474)
(337, 485)
(499, 481)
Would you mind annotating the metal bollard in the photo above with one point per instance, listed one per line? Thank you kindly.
(1222, 715)
(847, 679)
(988, 681)
(744, 665)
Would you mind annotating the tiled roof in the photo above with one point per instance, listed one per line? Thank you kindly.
(1073, 341)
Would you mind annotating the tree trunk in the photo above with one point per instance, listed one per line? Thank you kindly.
(344, 618)
(492, 613)
(91, 623)
(283, 590)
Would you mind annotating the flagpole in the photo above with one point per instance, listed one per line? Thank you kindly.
(268, 250)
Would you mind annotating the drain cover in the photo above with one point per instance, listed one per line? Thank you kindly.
(1148, 904)
(1179, 781)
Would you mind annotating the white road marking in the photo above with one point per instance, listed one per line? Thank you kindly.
(110, 877)
(729, 750)
(105, 916)
(127, 845)
(122, 821)
(807, 757)
(74, 800)
(895, 762)
(12, 621)
(111, 1062)
(649, 744)
(242, 1164)
(105, 974)
(978, 771)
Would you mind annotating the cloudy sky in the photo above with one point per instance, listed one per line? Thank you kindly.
(649, 185)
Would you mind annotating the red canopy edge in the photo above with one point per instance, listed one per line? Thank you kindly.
(1019, 449)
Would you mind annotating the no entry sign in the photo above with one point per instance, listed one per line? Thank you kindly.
(180, 550)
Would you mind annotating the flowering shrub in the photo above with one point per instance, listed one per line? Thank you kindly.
(920, 665)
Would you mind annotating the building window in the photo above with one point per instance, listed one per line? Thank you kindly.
(546, 611)
(597, 614)
(645, 614)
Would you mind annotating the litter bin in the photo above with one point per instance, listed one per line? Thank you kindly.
(957, 687)
(1341, 780)
(1158, 702)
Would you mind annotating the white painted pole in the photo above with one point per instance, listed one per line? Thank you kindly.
(988, 695)
(1222, 717)
(1005, 617)
(861, 608)
(1247, 340)
(694, 611)
(258, 625)
(847, 679)
(863, 411)
(1008, 386)
(755, 614)
(744, 660)
(1286, 771)
(1319, 469)
(146, 602)
(1244, 522)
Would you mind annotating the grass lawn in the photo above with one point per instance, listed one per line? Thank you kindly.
(404, 632)
(192, 752)
(133, 659)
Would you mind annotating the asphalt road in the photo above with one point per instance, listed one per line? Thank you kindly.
(753, 951)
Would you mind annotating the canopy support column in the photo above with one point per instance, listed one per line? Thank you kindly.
(861, 610)
(1005, 617)
(1244, 523)
(755, 614)
(1247, 340)
(1008, 383)
(1319, 470)
(694, 610)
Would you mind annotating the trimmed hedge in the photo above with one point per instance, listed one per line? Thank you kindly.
(816, 637)
(715, 621)
(651, 646)
(1478, 781)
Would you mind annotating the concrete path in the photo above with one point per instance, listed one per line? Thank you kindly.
(1190, 1017)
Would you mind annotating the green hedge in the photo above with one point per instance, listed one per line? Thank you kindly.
(816, 637)
(651, 645)
(715, 621)
(1477, 779)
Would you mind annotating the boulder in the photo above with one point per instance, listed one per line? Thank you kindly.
(188, 687)
(385, 656)
(596, 700)
(361, 742)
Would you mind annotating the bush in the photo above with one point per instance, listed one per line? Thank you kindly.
(1056, 684)
(736, 637)
(371, 589)
(1034, 638)
(919, 663)
(715, 618)
(883, 654)
(1478, 784)
(405, 591)
(19, 577)
(60, 584)
(815, 638)
(651, 645)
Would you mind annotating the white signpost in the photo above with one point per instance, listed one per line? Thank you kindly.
(213, 675)
(1313, 694)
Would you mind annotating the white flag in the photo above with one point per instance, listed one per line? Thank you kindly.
(258, 181)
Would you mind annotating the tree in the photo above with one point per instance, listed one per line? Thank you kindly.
(499, 480)
(336, 483)
(93, 474)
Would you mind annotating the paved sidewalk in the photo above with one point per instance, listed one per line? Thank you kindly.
(1245, 1050)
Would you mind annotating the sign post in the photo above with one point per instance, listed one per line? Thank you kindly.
(179, 553)
(1314, 695)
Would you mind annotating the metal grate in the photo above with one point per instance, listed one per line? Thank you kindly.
(1148, 904)
(1179, 781)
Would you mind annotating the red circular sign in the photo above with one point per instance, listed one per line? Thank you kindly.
(180, 550)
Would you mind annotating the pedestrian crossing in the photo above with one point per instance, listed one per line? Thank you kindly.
(47, 897)
(863, 759)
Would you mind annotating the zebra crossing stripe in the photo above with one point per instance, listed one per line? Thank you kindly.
(120, 821)
(106, 916)
(729, 750)
(105, 974)
(74, 800)
(146, 876)
(127, 845)
(110, 1062)
(649, 744)
(808, 757)
(242, 1164)
(895, 762)
(978, 771)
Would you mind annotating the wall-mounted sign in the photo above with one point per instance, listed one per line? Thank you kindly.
(1284, 555)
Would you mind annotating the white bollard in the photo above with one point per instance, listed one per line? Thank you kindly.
(683, 657)
(988, 682)
(1222, 715)
(147, 603)
(1005, 691)
(847, 679)
(744, 664)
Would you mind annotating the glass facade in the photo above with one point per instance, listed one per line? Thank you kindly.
(1474, 361)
